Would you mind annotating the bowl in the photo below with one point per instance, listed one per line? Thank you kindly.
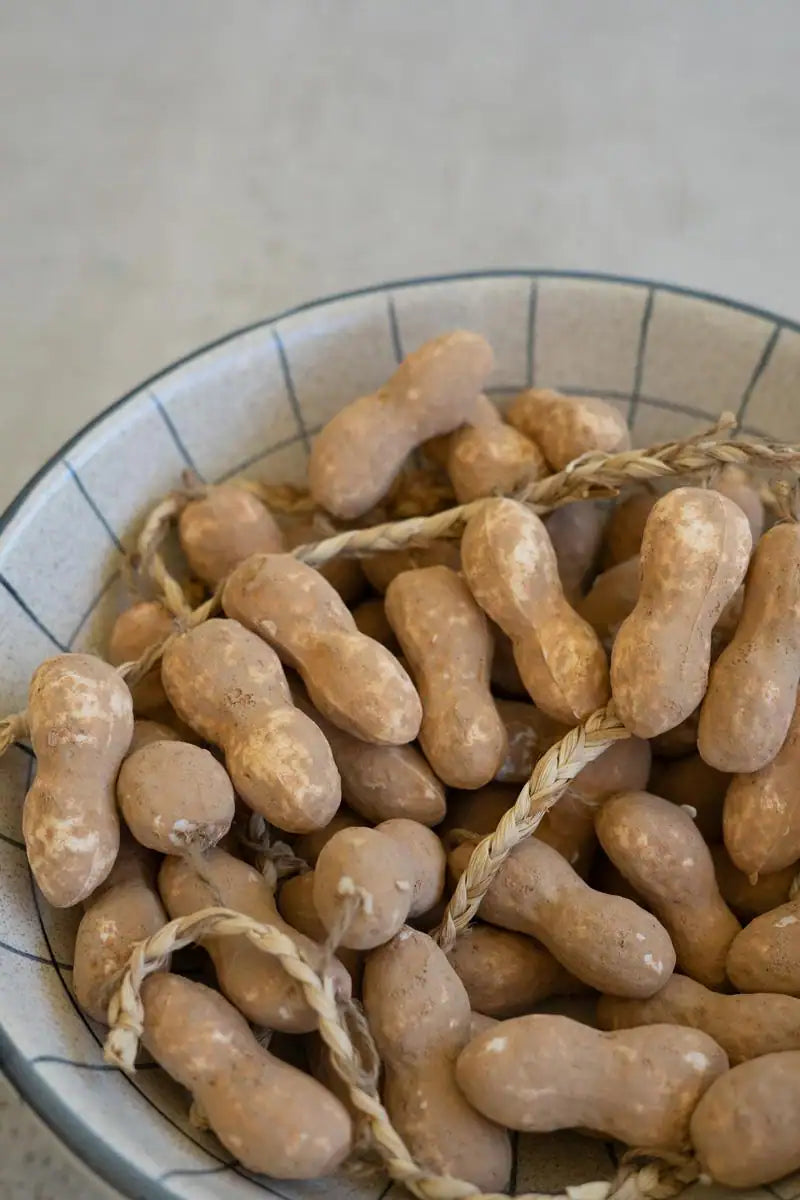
(670, 359)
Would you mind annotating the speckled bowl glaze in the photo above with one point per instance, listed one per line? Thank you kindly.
(670, 359)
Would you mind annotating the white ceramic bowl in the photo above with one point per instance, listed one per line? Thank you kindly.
(670, 359)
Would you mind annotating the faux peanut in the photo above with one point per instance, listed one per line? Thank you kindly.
(124, 910)
(393, 872)
(744, 1026)
(761, 818)
(576, 531)
(656, 845)
(695, 552)
(506, 974)
(380, 782)
(229, 686)
(612, 598)
(296, 906)
(567, 426)
(752, 688)
(420, 1017)
(624, 531)
(224, 528)
(765, 956)
(255, 982)
(271, 1117)
(540, 1073)
(490, 457)
(511, 569)
(354, 681)
(135, 630)
(175, 797)
(606, 941)
(80, 715)
(356, 457)
(446, 640)
(744, 1130)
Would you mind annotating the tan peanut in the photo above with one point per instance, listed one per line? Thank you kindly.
(624, 531)
(694, 556)
(765, 956)
(354, 681)
(309, 845)
(606, 941)
(761, 817)
(135, 630)
(224, 528)
(271, 1117)
(296, 906)
(752, 687)
(540, 1073)
(511, 569)
(567, 426)
(359, 453)
(255, 982)
(380, 782)
(122, 911)
(576, 531)
(80, 716)
(420, 1017)
(489, 457)
(506, 974)
(744, 1026)
(229, 686)
(744, 1130)
(611, 598)
(446, 640)
(175, 797)
(657, 846)
(391, 873)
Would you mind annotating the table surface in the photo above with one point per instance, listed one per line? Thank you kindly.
(171, 171)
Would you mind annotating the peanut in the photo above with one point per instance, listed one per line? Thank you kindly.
(223, 529)
(567, 426)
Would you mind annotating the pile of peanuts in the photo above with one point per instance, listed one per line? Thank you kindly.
(379, 716)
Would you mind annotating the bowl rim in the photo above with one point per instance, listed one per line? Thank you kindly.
(78, 1140)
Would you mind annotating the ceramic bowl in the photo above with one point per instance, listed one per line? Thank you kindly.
(669, 359)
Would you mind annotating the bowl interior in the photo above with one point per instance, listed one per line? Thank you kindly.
(669, 359)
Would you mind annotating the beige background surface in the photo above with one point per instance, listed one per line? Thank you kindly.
(170, 169)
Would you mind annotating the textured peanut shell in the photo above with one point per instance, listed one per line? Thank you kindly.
(427, 854)
(529, 733)
(229, 686)
(748, 898)
(420, 1017)
(657, 846)
(343, 573)
(511, 569)
(356, 457)
(624, 531)
(540, 1073)
(765, 956)
(744, 1130)
(370, 860)
(576, 531)
(753, 684)
(568, 426)
(380, 782)
(81, 722)
(112, 924)
(692, 781)
(253, 981)
(506, 974)
(296, 906)
(175, 797)
(271, 1117)
(606, 941)
(612, 598)
(761, 818)
(446, 640)
(223, 529)
(489, 457)
(135, 630)
(744, 1026)
(694, 556)
(354, 681)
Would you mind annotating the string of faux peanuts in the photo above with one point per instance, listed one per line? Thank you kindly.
(653, 1181)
